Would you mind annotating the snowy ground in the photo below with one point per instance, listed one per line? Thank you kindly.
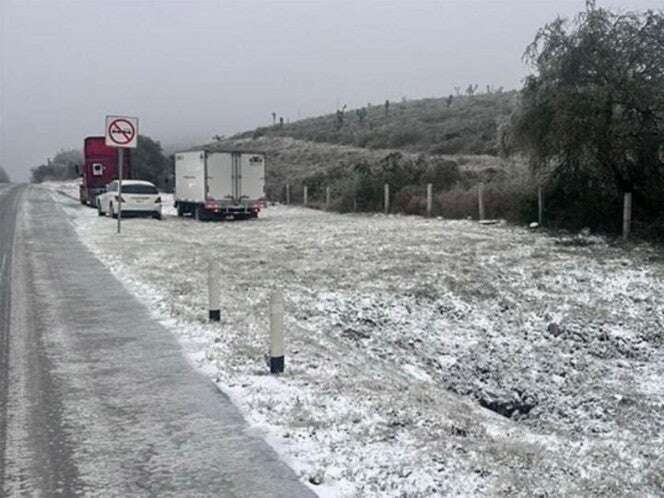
(424, 357)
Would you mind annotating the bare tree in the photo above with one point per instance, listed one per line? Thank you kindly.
(361, 115)
(340, 117)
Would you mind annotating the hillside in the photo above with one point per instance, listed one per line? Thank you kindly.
(460, 125)
(451, 144)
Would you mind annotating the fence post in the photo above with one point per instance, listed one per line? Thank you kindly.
(480, 200)
(627, 215)
(327, 198)
(214, 291)
(277, 360)
(387, 198)
(429, 199)
(288, 193)
(305, 196)
(540, 206)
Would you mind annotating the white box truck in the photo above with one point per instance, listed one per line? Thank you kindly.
(219, 184)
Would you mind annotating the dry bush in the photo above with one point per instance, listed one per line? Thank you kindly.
(411, 200)
(512, 197)
(356, 177)
(457, 203)
(515, 201)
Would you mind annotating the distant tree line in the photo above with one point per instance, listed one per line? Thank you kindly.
(64, 166)
(4, 177)
(150, 163)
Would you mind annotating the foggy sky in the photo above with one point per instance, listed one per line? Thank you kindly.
(193, 69)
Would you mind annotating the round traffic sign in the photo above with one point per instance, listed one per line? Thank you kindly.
(121, 131)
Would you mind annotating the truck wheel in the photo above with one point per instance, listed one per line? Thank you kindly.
(197, 213)
(180, 210)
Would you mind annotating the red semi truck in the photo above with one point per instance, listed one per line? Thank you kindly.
(100, 168)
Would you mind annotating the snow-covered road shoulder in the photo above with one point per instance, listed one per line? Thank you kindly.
(424, 357)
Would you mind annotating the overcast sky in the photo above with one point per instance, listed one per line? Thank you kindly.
(192, 69)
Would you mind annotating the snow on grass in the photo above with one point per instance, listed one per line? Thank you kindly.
(69, 188)
(420, 356)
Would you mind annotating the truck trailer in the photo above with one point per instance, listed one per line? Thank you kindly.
(219, 184)
(100, 168)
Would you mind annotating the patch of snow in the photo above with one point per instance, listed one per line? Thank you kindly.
(419, 360)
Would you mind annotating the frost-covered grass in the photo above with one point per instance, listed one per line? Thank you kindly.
(68, 188)
(406, 336)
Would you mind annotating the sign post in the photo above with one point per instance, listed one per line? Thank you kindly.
(122, 133)
(120, 163)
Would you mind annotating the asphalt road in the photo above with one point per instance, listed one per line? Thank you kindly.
(9, 198)
(97, 398)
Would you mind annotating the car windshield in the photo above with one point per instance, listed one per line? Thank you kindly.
(139, 189)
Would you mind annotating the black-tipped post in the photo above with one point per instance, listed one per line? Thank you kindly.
(214, 291)
(277, 332)
(277, 364)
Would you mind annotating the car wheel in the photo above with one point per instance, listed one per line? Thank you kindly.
(157, 216)
(114, 215)
(99, 211)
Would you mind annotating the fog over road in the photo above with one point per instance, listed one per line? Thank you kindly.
(96, 397)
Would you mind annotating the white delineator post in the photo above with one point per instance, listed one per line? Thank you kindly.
(387, 198)
(214, 291)
(306, 192)
(429, 199)
(327, 198)
(480, 200)
(627, 215)
(276, 332)
(540, 206)
(288, 193)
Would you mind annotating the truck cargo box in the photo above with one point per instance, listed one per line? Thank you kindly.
(100, 167)
(219, 184)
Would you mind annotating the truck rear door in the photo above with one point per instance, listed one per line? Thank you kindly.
(190, 176)
(252, 177)
(220, 176)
